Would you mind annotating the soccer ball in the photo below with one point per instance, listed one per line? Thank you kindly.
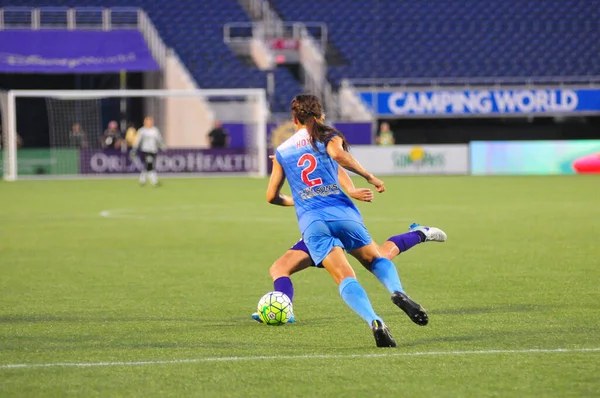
(275, 308)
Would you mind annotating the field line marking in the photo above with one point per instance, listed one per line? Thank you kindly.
(291, 357)
(149, 213)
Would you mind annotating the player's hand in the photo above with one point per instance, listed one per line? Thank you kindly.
(132, 154)
(362, 194)
(377, 183)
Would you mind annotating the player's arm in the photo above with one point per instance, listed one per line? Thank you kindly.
(274, 195)
(362, 194)
(161, 141)
(136, 144)
(347, 161)
(138, 140)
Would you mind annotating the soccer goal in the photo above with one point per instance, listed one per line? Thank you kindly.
(85, 133)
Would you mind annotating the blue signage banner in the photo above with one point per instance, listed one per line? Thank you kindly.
(65, 51)
(483, 102)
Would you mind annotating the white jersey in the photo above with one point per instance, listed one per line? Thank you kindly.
(149, 140)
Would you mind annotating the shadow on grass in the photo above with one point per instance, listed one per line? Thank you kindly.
(37, 318)
(46, 318)
(495, 309)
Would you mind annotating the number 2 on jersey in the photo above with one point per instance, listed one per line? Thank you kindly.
(312, 165)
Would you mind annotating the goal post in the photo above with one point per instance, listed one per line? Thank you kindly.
(8, 141)
(73, 131)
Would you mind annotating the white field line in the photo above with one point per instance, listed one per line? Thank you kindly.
(158, 214)
(293, 357)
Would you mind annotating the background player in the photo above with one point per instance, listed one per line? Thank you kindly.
(149, 142)
(297, 258)
(327, 218)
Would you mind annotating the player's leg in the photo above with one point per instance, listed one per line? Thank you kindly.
(298, 258)
(358, 242)
(385, 271)
(327, 249)
(294, 260)
(144, 172)
(150, 162)
(355, 295)
(416, 234)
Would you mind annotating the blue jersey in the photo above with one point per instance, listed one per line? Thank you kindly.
(313, 178)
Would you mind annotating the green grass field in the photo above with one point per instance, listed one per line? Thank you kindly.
(98, 273)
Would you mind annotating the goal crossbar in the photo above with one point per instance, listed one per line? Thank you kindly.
(236, 92)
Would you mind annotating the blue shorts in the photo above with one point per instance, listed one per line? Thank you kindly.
(322, 236)
(301, 246)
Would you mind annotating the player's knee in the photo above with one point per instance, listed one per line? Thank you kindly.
(389, 250)
(366, 259)
(367, 255)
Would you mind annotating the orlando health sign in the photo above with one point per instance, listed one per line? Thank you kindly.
(483, 102)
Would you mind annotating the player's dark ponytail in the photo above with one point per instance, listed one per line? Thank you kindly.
(307, 110)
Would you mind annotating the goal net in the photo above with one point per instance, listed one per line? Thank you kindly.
(67, 133)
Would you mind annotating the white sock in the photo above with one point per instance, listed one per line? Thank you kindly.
(143, 177)
(153, 177)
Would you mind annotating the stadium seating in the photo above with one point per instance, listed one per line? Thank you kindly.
(457, 38)
(195, 30)
(388, 38)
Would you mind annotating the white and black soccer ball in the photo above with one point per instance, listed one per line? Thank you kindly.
(275, 308)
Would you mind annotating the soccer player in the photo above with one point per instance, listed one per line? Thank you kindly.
(328, 219)
(297, 258)
(149, 141)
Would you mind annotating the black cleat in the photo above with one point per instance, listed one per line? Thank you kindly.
(415, 312)
(383, 338)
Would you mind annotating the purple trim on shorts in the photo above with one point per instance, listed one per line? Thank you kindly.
(301, 246)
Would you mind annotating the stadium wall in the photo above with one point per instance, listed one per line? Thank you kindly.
(187, 119)
(477, 158)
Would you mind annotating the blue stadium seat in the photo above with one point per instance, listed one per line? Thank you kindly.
(388, 38)
(457, 38)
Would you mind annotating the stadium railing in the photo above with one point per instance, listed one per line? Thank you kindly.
(374, 83)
